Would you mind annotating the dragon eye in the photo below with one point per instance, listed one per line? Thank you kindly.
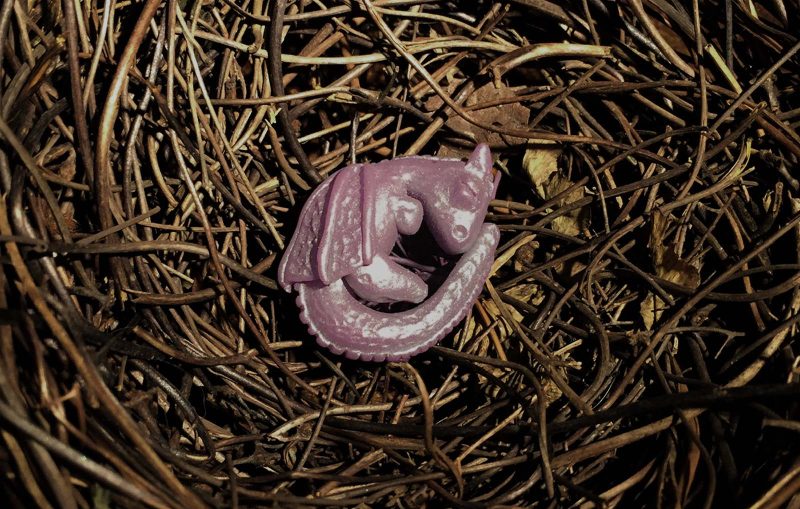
(465, 194)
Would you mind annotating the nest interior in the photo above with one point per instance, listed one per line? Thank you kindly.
(635, 345)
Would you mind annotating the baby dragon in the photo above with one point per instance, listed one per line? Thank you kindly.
(340, 252)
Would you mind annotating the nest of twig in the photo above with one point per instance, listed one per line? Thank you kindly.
(635, 346)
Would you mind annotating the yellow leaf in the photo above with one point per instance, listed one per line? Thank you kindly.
(540, 162)
(650, 310)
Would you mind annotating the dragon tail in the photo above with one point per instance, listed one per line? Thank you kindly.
(343, 324)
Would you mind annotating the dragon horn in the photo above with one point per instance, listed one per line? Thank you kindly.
(480, 161)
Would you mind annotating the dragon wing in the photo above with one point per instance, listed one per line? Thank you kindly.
(327, 242)
(298, 264)
(340, 249)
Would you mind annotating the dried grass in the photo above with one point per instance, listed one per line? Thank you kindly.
(636, 344)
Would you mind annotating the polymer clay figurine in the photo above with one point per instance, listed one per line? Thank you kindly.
(339, 257)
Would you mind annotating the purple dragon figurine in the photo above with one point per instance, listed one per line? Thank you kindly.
(339, 256)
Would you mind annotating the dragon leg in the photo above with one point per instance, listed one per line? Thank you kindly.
(385, 281)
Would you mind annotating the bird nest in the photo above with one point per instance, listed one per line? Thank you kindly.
(635, 345)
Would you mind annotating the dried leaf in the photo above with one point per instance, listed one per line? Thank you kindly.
(678, 271)
(509, 114)
(101, 497)
(557, 185)
(527, 292)
(689, 471)
(509, 253)
(551, 391)
(658, 230)
(666, 262)
(566, 225)
(503, 329)
(67, 210)
(669, 266)
(651, 309)
(671, 36)
(540, 162)
(573, 222)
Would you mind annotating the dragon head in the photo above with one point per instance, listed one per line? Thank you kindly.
(455, 205)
